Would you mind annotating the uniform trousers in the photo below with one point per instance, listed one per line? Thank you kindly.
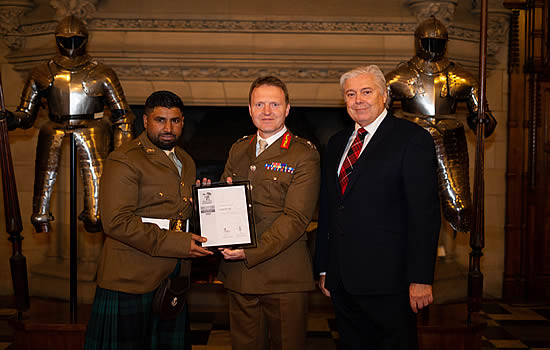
(268, 321)
(381, 322)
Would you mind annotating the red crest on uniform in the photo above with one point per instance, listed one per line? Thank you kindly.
(286, 140)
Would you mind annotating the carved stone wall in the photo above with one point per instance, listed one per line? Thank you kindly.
(210, 56)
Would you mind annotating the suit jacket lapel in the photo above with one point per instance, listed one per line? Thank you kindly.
(384, 129)
(252, 149)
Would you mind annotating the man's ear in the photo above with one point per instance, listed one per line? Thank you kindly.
(145, 120)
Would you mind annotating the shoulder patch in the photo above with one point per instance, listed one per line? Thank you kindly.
(285, 143)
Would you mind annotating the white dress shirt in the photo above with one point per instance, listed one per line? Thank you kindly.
(270, 139)
(371, 129)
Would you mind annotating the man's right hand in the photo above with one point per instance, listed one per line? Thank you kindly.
(322, 286)
(196, 251)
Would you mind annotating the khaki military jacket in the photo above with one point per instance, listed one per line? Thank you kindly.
(139, 180)
(285, 181)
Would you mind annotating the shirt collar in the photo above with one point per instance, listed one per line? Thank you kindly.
(372, 127)
(274, 137)
(169, 151)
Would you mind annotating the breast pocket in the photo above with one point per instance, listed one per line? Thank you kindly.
(277, 184)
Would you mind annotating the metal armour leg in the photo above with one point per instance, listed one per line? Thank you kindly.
(453, 173)
(48, 149)
(93, 144)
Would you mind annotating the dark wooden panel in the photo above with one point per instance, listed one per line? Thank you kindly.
(527, 230)
(47, 327)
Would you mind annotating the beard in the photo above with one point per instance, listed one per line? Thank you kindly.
(163, 145)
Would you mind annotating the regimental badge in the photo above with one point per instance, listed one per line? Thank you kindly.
(286, 140)
(282, 167)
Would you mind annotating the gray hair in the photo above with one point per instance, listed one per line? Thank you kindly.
(373, 69)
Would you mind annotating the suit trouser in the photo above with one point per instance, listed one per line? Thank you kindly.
(380, 322)
(268, 321)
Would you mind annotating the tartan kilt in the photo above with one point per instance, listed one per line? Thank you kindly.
(124, 321)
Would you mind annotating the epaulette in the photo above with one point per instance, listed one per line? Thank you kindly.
(304, 141)
(131, 145)
(245, 137)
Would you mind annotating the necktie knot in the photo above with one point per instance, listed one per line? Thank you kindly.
(361, 133)
(262, 146)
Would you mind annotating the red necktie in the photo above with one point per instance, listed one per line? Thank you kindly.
(351, 158)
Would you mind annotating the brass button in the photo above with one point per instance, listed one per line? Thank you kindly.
(253, 167)
(161, 194)
(182, 184)
(184, 199)
(274, 179)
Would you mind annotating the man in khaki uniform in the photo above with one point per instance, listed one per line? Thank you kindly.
(268, 284)
(146, 183)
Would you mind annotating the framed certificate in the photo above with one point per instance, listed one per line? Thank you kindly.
(224, 214)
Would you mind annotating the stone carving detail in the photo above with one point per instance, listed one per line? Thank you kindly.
(229, 73)
(10, 15)
(83, 9)
(39, 28)
(498, 22)
(239, 26)
(250, 26)
(497, 31)
(442, 10)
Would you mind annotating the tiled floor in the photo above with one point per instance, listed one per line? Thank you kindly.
(508, 327)
(517, 327)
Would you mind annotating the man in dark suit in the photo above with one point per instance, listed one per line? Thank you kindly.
(379, 220)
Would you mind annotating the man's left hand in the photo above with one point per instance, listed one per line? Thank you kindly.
(232, 254)
(420, 295)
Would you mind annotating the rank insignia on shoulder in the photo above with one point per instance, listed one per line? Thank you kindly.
(310, 144)
(241, 139)
(150, 150)
(282, 167)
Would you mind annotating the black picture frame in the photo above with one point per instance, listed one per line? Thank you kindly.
(199, 206)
